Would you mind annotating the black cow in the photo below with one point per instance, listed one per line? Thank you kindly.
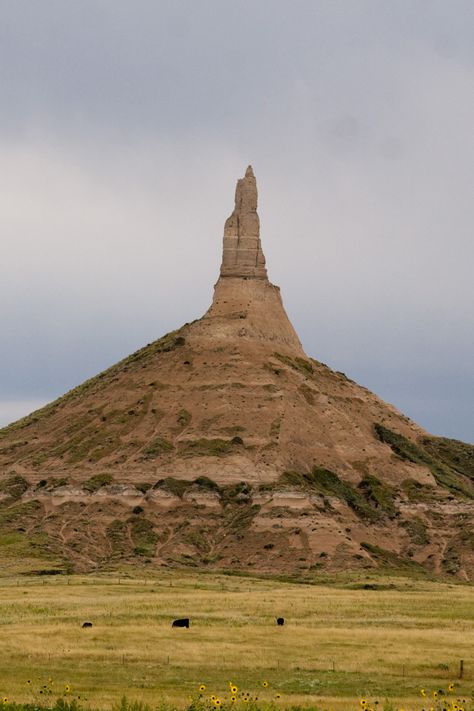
(183, 622)
(280, 621)
(87, 624)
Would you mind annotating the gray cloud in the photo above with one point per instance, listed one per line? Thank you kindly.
(123, 127)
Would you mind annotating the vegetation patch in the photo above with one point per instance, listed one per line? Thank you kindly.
(455, 454)
(205, 447)
(19, 513)
(177, 487)
(91, 443)
(379, 495)
(143, 486)
(203, 482)
(300, 364)
(10, 538)
(242, 517)
(461, 541)
(409, 451)
(391, 560)
(197, 537)
(328, 483)
(240, 493)
(143, 536)
(417, 530)
(417, 492)
(13, 486)
(55, 482)
(117, 535)
(451, 563)
(157, 446)
(97, 481)
(184, 418)
(17, 544)
(343, 376)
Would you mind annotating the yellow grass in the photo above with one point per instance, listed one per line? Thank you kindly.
(337, 643)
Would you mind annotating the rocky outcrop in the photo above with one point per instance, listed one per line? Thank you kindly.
(242, 254)
(247, 309)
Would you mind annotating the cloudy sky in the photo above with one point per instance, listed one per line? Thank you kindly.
(124, 125)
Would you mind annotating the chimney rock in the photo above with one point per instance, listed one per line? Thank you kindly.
(242, 253)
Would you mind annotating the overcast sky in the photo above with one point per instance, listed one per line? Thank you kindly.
(124, 125)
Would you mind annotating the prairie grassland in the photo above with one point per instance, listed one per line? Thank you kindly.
(339, 642)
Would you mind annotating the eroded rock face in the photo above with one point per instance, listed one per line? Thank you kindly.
(242, 254)
(247, 309)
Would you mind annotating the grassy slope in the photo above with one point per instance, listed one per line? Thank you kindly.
(386, 642)
(168, 342)
(450, 461)
(452, 452)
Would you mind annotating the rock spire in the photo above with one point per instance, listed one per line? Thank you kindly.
(247, 311)
(242, 253)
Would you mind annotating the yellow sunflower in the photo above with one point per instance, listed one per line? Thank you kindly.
(202, 687)
(265, 684)
(233, 689)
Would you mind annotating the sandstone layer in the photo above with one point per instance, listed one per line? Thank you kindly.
(242, 253)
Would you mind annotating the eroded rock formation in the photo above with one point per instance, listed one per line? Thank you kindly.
(247, 308)
(242, 253)
(223, 444)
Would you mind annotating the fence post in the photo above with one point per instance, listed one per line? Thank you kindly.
(461, 668)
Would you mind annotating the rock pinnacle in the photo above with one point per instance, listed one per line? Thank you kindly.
(242, 253)
(247, 309)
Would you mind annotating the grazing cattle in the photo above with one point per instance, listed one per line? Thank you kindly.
(86, 624)
(183, 622)
(280, 621)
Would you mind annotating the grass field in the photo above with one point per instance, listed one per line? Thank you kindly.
(340, 641)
